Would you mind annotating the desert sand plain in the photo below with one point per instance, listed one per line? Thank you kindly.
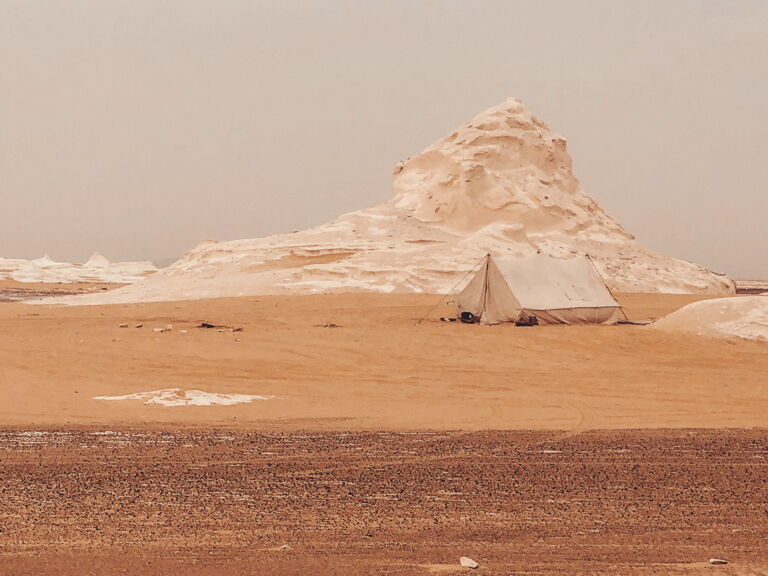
(386, 446)
(364, 362)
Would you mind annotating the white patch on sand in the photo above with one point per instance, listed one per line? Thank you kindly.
(178, 397)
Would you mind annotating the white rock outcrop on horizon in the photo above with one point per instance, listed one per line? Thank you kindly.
(739, 317)
(501, 183)
(96, 269)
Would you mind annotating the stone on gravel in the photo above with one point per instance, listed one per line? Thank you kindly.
(717, 561)
(468, 563)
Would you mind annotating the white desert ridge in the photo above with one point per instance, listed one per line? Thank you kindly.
(501, 184)
(96, 269)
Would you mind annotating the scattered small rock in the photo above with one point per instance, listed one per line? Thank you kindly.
(220, 328)
(468, 563)
(285, 547)
(158, 330)
(139, 325)
(328, 325)
(183, 331)
(718, 561)
(124, 325)
(551, 451)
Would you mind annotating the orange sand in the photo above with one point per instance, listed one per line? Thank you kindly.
(378, 370)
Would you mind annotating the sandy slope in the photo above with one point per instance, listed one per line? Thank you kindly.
(14, 291)
(377, 370)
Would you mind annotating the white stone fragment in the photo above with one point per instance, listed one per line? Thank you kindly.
(177, 397)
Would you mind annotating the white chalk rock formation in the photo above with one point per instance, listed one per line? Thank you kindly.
(741, 317)
(501, 183)
(97, 269)
(97, 261)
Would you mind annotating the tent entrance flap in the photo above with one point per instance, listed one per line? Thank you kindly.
(555, 291)
(488, 297)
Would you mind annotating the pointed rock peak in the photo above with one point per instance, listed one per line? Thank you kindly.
(46, 260)
(511, 112)
(97, 261)
(504, 165)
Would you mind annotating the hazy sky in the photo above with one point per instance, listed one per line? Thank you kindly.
(139, 127)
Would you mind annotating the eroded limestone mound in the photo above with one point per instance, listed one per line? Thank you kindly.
(740, 317)
(501, 183)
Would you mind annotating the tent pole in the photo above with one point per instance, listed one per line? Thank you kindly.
(485, 285)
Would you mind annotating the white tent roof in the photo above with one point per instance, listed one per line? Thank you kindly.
(543, 283)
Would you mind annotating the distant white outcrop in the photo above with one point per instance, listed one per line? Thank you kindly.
(501, 183)
(97, 261)
(96, 269)
(741, 317)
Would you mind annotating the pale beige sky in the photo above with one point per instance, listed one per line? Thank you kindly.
(139, 127)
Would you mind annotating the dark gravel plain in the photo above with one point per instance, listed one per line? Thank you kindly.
(218, 501)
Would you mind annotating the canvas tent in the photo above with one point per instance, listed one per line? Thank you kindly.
(554, 291)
